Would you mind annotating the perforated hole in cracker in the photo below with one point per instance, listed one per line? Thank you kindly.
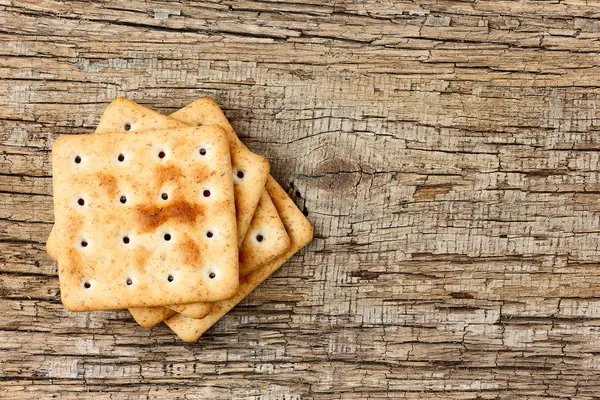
(110, 244)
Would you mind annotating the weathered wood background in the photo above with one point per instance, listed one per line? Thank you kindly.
(447, 153)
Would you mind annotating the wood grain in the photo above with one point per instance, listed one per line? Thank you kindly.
(445, 151)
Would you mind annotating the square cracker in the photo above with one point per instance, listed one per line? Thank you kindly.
(266, 222)
(124, 115)
(300, 232)
(133, 212)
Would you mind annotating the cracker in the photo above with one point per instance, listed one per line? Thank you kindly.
(51, 244)
(300, 232)
(122, 110)
(194, 310)
(132, 214)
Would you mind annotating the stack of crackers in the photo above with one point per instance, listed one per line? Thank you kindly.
(171, 217)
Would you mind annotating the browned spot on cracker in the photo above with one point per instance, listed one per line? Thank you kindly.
(141, 257)
(149, 217)
(74, 262)
(167, 173)
(199, 175)
(108, 182)
(179, 141)
(243, 257)
(69, 235)
(189, 250)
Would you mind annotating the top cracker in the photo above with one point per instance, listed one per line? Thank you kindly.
(134, 214)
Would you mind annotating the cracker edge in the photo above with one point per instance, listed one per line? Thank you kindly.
(193, 310)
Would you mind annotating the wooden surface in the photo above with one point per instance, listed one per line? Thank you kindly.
(445, 151)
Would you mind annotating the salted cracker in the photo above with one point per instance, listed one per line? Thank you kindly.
(134, 212)
(269, 239)
(300, 232)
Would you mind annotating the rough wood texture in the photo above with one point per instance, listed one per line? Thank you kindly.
(446, 152)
